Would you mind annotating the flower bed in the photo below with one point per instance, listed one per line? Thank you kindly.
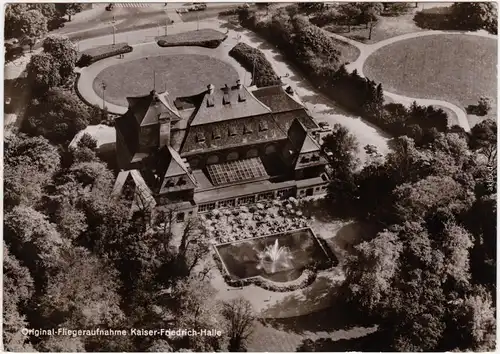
(92, 55)
(208, 38)
(247, 56)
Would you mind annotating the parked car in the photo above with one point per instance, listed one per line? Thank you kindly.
(182, 11)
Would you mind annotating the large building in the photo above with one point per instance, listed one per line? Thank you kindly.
(225, 147)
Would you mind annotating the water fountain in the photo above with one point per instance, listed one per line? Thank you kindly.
(274, 258)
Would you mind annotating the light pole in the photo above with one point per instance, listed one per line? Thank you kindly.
(166, 23)
(103, 85)
(114, 30)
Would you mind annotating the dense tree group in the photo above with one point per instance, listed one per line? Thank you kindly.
(428, 276)
(76, 257)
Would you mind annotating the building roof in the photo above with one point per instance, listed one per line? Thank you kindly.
(277, 99)
(309, 145)
(148, 109)
(228, 103)
(231, 133)
(177, 175)
(142, 195)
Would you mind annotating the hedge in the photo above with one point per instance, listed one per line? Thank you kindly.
(92, 55)
(208, 38)
(264, 72)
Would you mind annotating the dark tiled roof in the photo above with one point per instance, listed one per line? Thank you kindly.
(277, 99)
(147, 109)
(142, 197)
(129, 129)
(240, 103)
(192, 143)
(285, 119)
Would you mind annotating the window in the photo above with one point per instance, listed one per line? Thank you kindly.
(213, 159)
(304, 159)
(246, 200)
(232, 130)
(227, 203)
(179, 217)
(206, 207)
(216, 135)
(247, 129)
(265, 196)
(232, 156)
(285, 193)
(315, 158)
(241, 97)
(200, 137)
(263, 126)
(181, 181)
(210, 101)
(225, 99)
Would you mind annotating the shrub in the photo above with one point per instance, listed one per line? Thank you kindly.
(247, 56)
(208, 38)
(92, 55)
(483, 106)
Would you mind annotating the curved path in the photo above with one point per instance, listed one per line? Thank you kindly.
(368, 49)
(322, 108)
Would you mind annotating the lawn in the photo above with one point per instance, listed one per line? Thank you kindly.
(454, 67)
(181, 75)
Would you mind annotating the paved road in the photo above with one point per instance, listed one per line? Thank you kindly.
(368, 49)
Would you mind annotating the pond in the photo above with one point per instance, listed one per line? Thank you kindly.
(280, 258)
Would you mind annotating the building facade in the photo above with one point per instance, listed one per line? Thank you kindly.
(223, 148)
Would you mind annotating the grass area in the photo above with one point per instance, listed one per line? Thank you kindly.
(181, 75)
(385, 28)
(204, 38)
(348, 53)
(454, 67)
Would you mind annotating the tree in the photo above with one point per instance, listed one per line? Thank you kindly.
(57, 115)
(64, 54)
(30, 163)
(349, 12)
(87, 141)
(17, 290)
(371, 269)
(32, 27)
(370, 12)
(476, 320)
(32, 238)
(473, 16)
(240, 317)
(69, 9)
(42, 73)
(83, 293)
(484, 105)
(484, 138)
(194, 306)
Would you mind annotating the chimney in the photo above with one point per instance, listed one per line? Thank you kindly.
(289, 90)
(210, 89)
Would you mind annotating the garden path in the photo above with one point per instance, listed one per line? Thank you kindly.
(368, 49)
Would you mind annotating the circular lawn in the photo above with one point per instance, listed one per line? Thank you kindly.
(180, 75)
(457, 68)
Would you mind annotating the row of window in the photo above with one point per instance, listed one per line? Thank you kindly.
(231, 203)
(232, 131)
